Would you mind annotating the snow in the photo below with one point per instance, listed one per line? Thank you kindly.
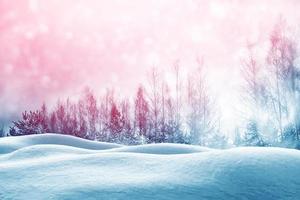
(161, 149)
(63, 167)
(10, 144)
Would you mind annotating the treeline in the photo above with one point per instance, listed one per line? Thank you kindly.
(184, 111)
(154, 115)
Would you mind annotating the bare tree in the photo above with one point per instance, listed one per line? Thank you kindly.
(254, 90)
(127, 135)
(281, 58)
(253, 83)
(141, 113)
(200, 117)
(154, 104)
(178, 85)
(82, 122)
(104, 114)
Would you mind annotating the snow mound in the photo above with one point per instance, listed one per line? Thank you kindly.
(165, 148)
(10, 144)
(51, 171)
(46, 150)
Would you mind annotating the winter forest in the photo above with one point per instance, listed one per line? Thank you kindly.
(185, 111)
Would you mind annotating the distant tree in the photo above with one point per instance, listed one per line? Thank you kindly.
(103, 121)
(173, 133)
(64, 119)
(289, 137)
(127, 134)
(45, 118)
(163, 132)
(200, 118)
(255, 97)
(53, 127)
(2, 131)
(284, 77)
(218, 140)
(115, 124)
(82, 122)
(72, 120)
(237, 137)
(31, 123)
(60, 113)
(154, 106)
(254, 86)
(104, 115)
(178, 93)
(251, 136)
(141, 118)
(92, 112)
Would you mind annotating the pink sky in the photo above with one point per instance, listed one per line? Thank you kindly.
(54, 48)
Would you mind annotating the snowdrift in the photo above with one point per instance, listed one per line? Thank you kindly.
(40, 167)
(10, 144)
(161, 149)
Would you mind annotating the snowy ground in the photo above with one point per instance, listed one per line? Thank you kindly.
(62, 167)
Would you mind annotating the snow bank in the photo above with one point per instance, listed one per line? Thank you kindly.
(10, 144)
(51, 171)
(162, 149)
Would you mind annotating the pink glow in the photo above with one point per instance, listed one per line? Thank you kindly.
(54, 48)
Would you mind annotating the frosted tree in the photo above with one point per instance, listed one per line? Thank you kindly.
(178, 88)
(127, 135)
(154, 105)
(255, 95)
(60, 113)
(290, 136)
(91, 112)
(104, 115)
(216, 138)
(161, 137)
(141, 113)
(73, 122)
(175, 106)
(200, 118)
(253, 82)
(66, 115)
(45, 118)
(237, 137)
(2, 131)
(82, 122)
(53, 128)
(285, 75)
(115, 123)
(173, 132)
(31, 123)
(252, 137)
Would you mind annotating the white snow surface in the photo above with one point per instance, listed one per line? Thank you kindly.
(52, 166)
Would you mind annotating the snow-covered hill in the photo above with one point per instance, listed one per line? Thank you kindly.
(53, 166)
(9, 144)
